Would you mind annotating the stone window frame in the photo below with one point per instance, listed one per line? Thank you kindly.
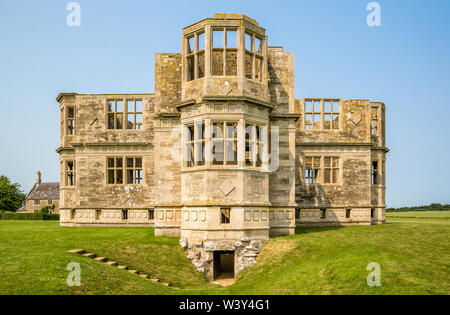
(375, 122)
(70, 120)
(137, 122)
(136, 170)
(120, 116)
(377, 173)
(37, 202)
(298, 214)
(255, 55)
(225, 140)
(224, 49)
(194, 145)
(348, 213)
(321, 169)
(70, 173)
(253, 140)
(314, 118)
(225, 216)
(49, 201)
(323, 213)
(312, 170)
(123, 169)
(192, 56)
(124, 214)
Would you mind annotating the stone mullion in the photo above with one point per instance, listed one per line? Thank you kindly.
(322, 114)
(208, 52)
(224, 64)
(196, 58)
(208, 143)
(241, 143)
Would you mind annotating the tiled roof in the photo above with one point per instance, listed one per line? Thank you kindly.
(44, 191)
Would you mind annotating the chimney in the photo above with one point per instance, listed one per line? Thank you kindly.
(38, 177)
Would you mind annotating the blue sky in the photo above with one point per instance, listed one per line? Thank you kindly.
(404, 63)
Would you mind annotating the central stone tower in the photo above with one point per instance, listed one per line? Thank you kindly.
(225, 118)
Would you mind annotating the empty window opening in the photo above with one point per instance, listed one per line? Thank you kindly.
(375, 173)
(225, 216)
(312, 167)
(331, 115)
(151, 214)
(223, 265)
(195, 139)
(134, 114)
(115, 171)
(37, 202)
(253, 145)
(323, 213)
(195, 56)
(70, 173)
(224, 54)
(134, 171)
(125, 214)
(231, 39)
(98, 214)
(374, 123)
(70, 121)
(50, 201)
(72, 214)
(224, 143)
(297, 214)
(317, 111)
(254, 58)
(372, 213)
(348, 213)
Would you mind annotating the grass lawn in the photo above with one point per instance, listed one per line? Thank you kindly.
(414, 255)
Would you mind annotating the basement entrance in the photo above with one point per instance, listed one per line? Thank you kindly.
(223, 265)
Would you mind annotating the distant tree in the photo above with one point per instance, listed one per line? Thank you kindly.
(46, 209)
(11, 197)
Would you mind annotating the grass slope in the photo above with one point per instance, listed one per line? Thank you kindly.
(414, 256)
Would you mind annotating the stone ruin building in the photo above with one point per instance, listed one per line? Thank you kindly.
(222, 155)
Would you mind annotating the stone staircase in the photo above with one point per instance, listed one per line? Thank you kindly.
(105, 260)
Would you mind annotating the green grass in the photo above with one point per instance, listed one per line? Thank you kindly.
(420, 214)
(414, 255)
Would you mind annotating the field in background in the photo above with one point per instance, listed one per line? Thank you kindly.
(414, 255)
(421, 214)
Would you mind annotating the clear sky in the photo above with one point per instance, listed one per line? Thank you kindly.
(404, 63)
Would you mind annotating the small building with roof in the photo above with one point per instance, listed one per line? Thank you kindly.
(41, 195)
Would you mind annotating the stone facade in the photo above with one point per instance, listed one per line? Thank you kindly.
(222, 155)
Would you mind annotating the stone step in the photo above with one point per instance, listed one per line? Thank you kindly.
(123, 267)
(144, 276)
(76, 251)
(111, 263)
(90, 255)
(166, 284)
(154, 280)
(101, 259)
(135, 272)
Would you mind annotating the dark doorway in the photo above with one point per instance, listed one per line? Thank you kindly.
(223, 265)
